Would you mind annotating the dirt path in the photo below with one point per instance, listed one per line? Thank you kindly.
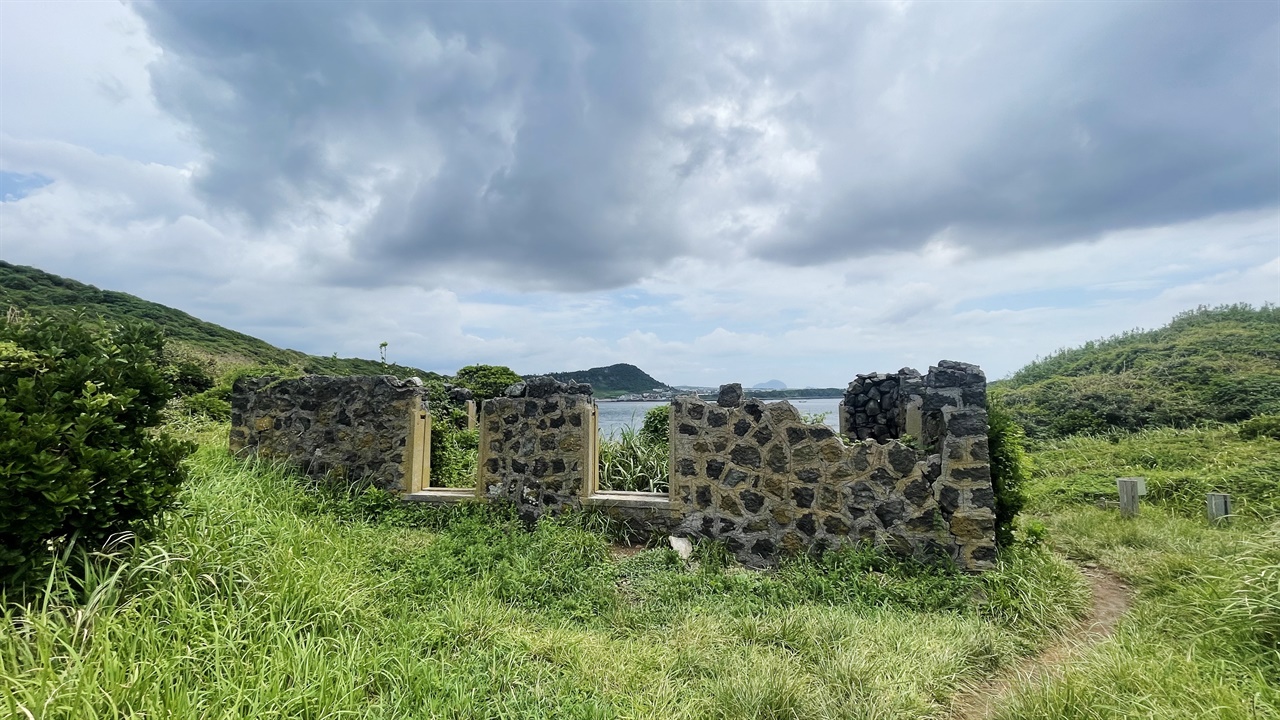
(1110, 601)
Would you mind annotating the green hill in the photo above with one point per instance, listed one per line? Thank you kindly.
(34, 290)
(614, 380)
(1218, 363)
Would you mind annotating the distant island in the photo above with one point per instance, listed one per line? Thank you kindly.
(770, 385)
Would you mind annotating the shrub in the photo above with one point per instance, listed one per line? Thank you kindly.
(79, 460)
(1263, 426)
(656, 424)
(453, 456)
(486, 381)
(210, 406)
(186, 370)
(1010, 466)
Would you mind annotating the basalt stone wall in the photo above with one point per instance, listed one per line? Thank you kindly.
(891, 406)
(872, 410)
(537, 446)
(351, 427)
(764, 482)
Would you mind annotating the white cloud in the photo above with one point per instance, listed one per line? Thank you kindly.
(746, 135)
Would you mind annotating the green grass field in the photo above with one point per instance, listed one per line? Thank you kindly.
(263, 598)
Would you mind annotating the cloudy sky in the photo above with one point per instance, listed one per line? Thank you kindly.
(714, 192)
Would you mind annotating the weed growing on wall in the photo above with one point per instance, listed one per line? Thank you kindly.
(1010, 466)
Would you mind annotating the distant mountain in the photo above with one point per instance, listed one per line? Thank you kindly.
(614, 380)
(770, 385)
(35, 290)
(1218, 363)
(810, 392)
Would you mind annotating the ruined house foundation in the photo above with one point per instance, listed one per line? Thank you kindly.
(907, 470)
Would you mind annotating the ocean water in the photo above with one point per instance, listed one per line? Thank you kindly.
(617, 415)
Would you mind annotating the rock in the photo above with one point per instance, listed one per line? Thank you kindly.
(413, 380)
(682, 546)
(730, 395)
(542, 386)
(515, 390)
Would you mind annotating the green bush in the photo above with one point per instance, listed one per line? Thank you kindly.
(453, 456)
(486, 381)
(187, 371)
(210, 406)
(1210, 364)
(1010, 466)
(656, 424)
(79, 459)
(1263, 426)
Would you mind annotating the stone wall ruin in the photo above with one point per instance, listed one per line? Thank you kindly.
(760, 479)
(357, 428)
(537, 447)
(909, 470)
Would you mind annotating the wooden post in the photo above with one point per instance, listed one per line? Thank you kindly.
(471, 414)
(1219, 508)
(1128, 488)
(418, 452)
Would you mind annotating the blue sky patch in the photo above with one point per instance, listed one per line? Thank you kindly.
(15, 186)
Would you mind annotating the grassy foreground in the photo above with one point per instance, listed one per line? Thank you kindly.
(264, 599)
(260, 601)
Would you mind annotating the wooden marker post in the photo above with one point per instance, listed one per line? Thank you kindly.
(1219, 508)
(1129, 490)
(471, 414)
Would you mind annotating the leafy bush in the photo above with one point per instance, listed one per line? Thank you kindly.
(486, 381)
(1264, 426)
(657, 422)
(1010, 466)
(210, 406)
(187, 371)
(453, 457)
(79, 460)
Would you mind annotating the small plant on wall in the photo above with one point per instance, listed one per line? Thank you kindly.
(1010, 466)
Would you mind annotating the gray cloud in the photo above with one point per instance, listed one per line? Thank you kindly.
(581, 146)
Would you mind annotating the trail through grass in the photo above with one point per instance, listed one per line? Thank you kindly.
(1203, 637)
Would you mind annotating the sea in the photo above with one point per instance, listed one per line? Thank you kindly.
(616, 415)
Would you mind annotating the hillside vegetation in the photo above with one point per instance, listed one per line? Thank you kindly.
(1209, 364)
(41, 293)
(613, 380)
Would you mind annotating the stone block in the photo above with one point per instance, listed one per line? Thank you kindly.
(969, 525)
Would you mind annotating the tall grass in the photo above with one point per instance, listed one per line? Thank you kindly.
(1200, 641)
(632, 461)
(1203, 637)
(258, 601)
(1181, 466)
